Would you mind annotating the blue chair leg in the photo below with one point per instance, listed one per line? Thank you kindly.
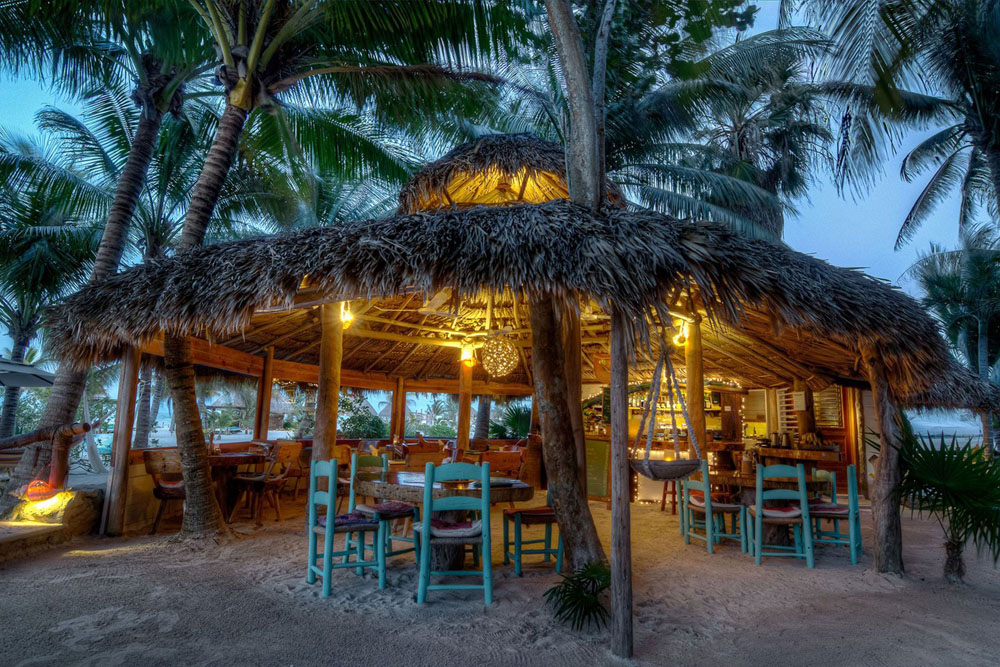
(548, 541)
(310, 573)
(559, 555)
(517, 544)
(327, 562)
(423, 578)
(487, 569)
(758, 530)
(506, 540)
(383, 529)
(852, 529)
(710, 532)
(743, 529)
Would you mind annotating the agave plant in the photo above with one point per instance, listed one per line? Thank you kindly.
(959, 485)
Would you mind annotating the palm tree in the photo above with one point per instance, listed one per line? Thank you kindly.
(962, 289)
(376, 55)
(45, 250)
(918, 64)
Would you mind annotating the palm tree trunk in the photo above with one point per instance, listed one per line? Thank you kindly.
(566, 496)
(12, 395)
(482, 429)
(141, 437)
(68, 387)
(983, 361)
(213, 176)
(954, 564)
(130, 183)
(159, 392)
(93, 455)
(202, 515)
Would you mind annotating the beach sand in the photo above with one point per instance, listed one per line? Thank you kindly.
(148, 601)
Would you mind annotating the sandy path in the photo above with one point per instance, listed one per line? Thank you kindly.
(149, 602)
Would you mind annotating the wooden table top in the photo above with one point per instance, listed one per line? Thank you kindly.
(227, 459)
(734, 478)
(408, 487)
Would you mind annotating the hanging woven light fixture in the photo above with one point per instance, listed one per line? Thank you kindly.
(498, 356)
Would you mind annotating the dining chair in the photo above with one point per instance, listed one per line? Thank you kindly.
(531, 516)
(697, 501)
(266, 485)
(329, 523)
(795, 515)
(164, 466)
(436, 532)
(387, 511)
(836, 512)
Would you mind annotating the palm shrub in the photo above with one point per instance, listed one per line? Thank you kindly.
(514, 423)
(959, 485)
(578, 598)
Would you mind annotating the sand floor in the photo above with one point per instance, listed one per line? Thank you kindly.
(146, 601)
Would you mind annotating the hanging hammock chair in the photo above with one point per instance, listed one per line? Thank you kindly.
(663, 471)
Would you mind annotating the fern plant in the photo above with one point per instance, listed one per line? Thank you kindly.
(578, 598)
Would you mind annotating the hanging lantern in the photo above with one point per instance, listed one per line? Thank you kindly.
(467, 357)
(346, 316)
(499, 357)
(680, 340)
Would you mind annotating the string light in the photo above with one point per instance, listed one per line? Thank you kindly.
(499, 357)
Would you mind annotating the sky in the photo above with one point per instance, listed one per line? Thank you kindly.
(845, 232)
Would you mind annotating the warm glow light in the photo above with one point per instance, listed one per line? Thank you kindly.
(682, 335)
(346, 316)
(39, 491)
(467, 357)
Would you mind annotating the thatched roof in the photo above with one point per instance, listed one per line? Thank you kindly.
(757, 292)
(494, 170)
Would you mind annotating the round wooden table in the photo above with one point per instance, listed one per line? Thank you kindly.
(408, 487)
(224, 466)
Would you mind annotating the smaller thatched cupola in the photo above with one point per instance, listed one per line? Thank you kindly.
(494, 170)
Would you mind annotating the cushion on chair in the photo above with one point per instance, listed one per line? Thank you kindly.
(779, 512)
(828, 508)
(354, 519)
(699, 502)
(530, 511)
(390, 509)
(445, 529)
(177, 484)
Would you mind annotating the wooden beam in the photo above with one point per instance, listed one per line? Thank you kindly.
(621, 540)
(277, 323)
(723, 351)
(402, 338)
(113, 518)
(397, 424)
(263, 414)
(695, 383)
(331, 353)
(310, 323)
(464, 405)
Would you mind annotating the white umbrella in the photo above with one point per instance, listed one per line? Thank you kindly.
(13, 374)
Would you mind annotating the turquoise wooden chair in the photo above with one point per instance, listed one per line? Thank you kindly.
(705, 514)
(387, 512)
(443, 473)
(349, 524)
(795, 516)
(836, 513)
(531, 516)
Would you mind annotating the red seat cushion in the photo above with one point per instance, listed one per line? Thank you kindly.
(829, 508)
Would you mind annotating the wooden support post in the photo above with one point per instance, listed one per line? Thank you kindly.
(464, 404)
(113, 517)
(331, 353)
(397, 429)
(887, 555)
(806, 418)
(621, 540)
(536, 419)
(263, 414)
(695, 385)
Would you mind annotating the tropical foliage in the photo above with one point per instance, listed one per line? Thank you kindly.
(959, 485)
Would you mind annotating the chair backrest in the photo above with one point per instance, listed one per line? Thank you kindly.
(452, 472)
(371, 461)
(319, 471)
(827, 476)
(852, 488)
(284, 455)
(503, 463)
(162, 464)
(417, 460)
(798, 473)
